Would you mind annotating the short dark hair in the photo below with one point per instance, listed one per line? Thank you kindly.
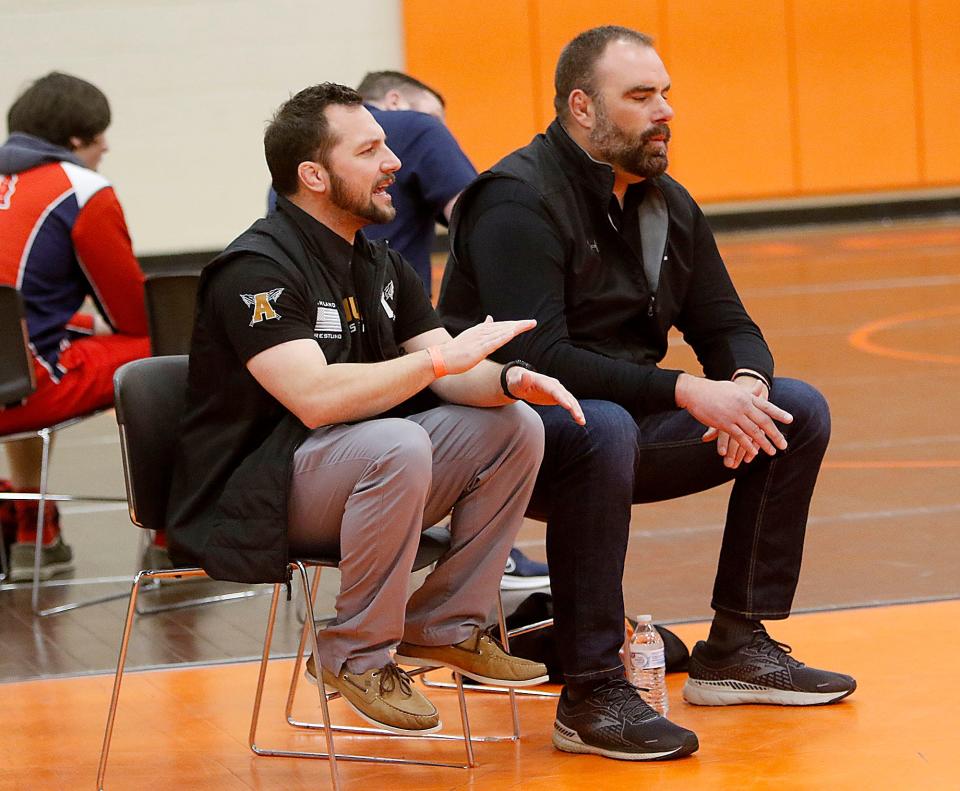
(577, 62)
(59, 106)
(300, 132)
(374, 86)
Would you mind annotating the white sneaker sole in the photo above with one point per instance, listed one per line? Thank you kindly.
(568, 741)
(511, 582)
(376, 723)
(733, 693)
(496, 682)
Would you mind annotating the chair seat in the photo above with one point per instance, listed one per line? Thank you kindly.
(434, 543)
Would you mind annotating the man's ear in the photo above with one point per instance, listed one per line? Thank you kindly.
(394, 100)
(313, 176)
(581, 108)
(75, 143)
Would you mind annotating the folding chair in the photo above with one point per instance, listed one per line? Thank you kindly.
(149, 402)
(16, 383)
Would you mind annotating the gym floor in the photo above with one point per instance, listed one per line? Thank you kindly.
(870, 314)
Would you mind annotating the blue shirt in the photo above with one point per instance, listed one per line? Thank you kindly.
(434, 169)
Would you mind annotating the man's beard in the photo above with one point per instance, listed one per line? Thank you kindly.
(632, 153)
(358, 203)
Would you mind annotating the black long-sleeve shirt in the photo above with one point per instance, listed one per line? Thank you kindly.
(602, 330)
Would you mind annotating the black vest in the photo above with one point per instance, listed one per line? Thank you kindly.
(228, 503)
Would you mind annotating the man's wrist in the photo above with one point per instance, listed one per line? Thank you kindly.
(681, 391)
(503, 376)
(437, 361)
(750, 373)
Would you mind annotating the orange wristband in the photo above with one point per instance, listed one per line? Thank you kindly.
(439, 366)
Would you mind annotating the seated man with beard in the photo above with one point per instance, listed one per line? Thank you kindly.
(583, 231)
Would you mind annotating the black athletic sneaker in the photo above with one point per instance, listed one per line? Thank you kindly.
(613, 721)
(762, 671)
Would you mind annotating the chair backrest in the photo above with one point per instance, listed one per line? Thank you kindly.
(149, 401)
(16, 363)
(171, 300)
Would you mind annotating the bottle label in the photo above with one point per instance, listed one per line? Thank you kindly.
(646, 657)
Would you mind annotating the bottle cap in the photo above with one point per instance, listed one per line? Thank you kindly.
(644, 618)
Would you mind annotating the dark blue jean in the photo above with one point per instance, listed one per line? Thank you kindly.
(591, 475)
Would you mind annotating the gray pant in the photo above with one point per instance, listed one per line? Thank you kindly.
(369, 488)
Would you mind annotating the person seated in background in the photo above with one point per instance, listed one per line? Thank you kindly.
(435, 171)
(63, 239)
(584, 231)
(329, 412)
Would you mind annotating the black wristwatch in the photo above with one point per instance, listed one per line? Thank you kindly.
(503, 375)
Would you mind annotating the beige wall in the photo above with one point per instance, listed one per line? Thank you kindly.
(191, 83)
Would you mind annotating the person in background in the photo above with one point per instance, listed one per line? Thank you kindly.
(583, 230)
(63, 239)
(433, 173)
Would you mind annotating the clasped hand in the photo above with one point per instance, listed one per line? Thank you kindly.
(739, 416)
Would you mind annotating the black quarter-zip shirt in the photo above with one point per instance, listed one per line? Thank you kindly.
(542, 236)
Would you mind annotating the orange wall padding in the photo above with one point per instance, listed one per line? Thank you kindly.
(773, 98)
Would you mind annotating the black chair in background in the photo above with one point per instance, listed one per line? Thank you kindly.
(171, 300)
(16, 384)
(149, 402)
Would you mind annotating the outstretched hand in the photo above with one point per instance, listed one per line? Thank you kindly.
(536, 388)
(477, 343)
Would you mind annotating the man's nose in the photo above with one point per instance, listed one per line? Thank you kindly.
(665, 113)
(391, 164)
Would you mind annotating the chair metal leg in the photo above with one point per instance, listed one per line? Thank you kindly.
(505, 639)
(321, 688)
(197, 602)
(44, 435)
(76, 605)
(4, 565)
(122, 661)
(298, 662)
(42, 498)
(465, 721)
(118, 678)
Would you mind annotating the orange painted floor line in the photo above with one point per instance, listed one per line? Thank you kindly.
(188, 728)
(862, 338)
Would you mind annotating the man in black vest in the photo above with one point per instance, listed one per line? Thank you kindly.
(328, 411)
(584, 231)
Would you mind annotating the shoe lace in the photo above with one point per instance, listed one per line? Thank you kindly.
(763, 643)
(624, 698)
(392, 677)
(492, 633)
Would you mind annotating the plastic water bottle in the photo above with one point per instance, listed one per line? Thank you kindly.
(647, 666)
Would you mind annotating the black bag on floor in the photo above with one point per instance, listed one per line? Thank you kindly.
(539, 645)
